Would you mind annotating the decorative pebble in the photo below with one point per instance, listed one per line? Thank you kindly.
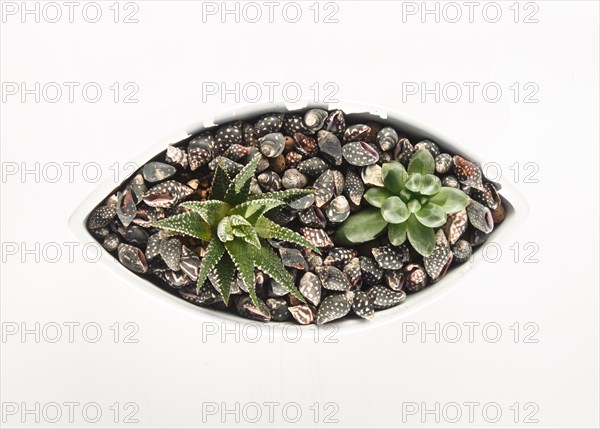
(387, 138)
(363, 305)
(430, 146)
(101, 216)
(330, 147)
(310, 287)
(317, 237)
(467, 172)
(385, 298)
(455, 226)
(360, 154)
(416, 277)
(158, 171)
(372, 175)
(111, 242)
(389, 258)
(394, 279)
(443, 163)
(207, 295)
(306, 145)
(170, 252)
(314, 119)
(371, 271)
(132, 258)
(340, 256)
(269, 123)
(247, 309)
(354, 188)
(440, 259)
(167, 194)
(200, 150)
(334, 307)
(462, 251)
(338, 210)
(336, 123)
(279, 309)
(312, 167)
(292, 258)
(272, 145)
(303, 314)
(126, 208)
(358, 132)
(480, 217)
(227, 135)
(293, 179)
(176, 157)
(333, 279)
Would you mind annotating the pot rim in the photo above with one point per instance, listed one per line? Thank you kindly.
(414, 302)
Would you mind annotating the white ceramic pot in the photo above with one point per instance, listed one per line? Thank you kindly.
(516, 212)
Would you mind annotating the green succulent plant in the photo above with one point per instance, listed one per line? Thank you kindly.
(410, 205)
(236, 225)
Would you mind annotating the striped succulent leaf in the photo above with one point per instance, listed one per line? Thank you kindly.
(286, 196)
(244, 263)
(253, 210)
(266, 260)
(214, 252)
(212, 211)
(224, 276)
(238, 190)
(220, 184)
(189, 223)
(268, 229)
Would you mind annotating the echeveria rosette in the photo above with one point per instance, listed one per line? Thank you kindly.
(236, 225)
(410, 206)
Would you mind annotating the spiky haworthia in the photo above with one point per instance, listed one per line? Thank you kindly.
(236, 225)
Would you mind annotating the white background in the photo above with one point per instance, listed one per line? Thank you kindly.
(170, 372)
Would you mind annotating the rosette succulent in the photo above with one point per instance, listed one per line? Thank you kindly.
(411, 204)
(236, 225)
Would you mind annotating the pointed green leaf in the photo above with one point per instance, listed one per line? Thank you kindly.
(451, 200)
(240, 186)
(248, 234)
(189, 223)
(394, 176)
(269, 229)
(394, 210)
(225, 275)
(431, 215)
(431, 185)
(414, 182)
(286, 196)
(220, 183)
(377, 196)
(270, 263)
(421, 162)
(253, 210)
(421, 237)
(212, 211)
(365, 225)
(214, 252)
(397, 233)
(243, 258)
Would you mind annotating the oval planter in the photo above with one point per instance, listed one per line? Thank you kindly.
(359, 112)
